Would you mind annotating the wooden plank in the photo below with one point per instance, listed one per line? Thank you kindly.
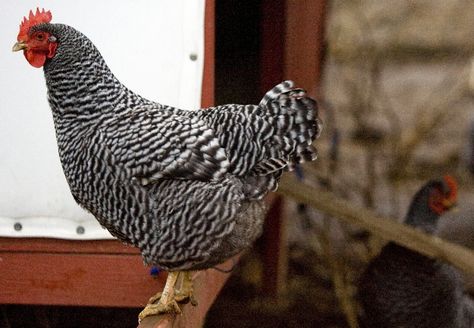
(48, 245)
(81, 280)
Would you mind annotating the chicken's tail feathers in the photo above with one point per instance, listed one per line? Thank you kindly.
(294, 117)
(276, 91)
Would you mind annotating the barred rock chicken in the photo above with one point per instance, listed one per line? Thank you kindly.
(402, 288)
(185, 187)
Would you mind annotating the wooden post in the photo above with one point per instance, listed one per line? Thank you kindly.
(291, 48)
(208, 80)
(304, 43)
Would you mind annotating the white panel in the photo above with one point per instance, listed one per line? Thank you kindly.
(154, 47)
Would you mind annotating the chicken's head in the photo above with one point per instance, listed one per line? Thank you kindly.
(37, 44)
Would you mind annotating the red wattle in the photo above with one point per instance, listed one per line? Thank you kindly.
(36, 59)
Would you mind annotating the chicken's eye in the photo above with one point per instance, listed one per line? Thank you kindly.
(40, 36)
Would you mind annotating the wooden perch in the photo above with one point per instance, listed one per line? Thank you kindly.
(385, 228)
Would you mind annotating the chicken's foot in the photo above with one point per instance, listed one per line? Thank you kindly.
(167, 301)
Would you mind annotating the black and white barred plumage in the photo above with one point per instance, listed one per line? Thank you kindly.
(183, 186)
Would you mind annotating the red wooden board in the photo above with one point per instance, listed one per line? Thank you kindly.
(48, 245)
(79, 279)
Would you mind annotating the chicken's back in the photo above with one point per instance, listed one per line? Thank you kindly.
(261, 141)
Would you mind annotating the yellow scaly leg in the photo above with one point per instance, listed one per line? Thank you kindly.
(167, 303)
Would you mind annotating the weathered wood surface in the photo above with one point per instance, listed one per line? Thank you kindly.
(209, 70)
(80, 279)
(49, 245)
(385, 228)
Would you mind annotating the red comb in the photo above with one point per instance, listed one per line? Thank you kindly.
(33, 19)
(453, 188)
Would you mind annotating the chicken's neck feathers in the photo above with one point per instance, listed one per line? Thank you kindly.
(420, 215)
(80, 84)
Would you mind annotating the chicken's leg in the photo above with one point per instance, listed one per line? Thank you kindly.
(167, 302)
(185, 293)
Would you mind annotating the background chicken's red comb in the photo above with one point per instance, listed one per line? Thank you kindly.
(453, 187)
(33, 19)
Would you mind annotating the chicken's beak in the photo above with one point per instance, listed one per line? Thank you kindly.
(20, 45)
(450, 204)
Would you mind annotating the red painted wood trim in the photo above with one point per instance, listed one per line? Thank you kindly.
(304, 43)
(208, 82)
(38, 245)
(80, 279)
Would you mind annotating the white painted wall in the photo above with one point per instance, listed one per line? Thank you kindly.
(147, 45)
